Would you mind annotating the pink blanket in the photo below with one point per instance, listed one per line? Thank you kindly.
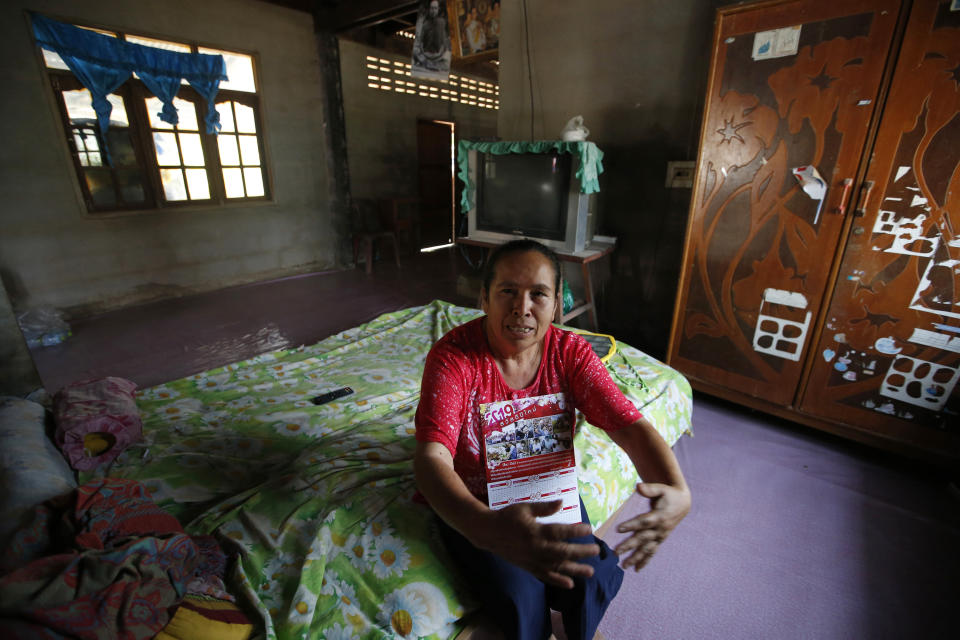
(105, 407)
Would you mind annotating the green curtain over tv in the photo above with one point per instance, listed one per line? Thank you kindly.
(591, 161)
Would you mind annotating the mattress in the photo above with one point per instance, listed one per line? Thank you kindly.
(318, 501)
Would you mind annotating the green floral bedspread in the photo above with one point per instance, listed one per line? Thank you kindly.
(318, 499)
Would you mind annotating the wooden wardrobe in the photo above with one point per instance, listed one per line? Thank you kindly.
(840, 312)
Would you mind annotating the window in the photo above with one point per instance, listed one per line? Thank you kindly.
(239, 150)
(156, 164)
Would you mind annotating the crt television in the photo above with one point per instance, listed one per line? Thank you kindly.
(528, 195)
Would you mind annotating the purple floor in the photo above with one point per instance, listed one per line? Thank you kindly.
(793, 533)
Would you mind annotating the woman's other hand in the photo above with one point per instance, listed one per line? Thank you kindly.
(668, 506)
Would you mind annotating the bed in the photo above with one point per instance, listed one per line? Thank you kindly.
(317, 501)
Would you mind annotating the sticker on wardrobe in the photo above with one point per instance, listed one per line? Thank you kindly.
(888, 408)
(852, 365)
(776, 43)
(887, 345)
(782, 324)
(929, 338)
(935, 292)
(908, 234)
(919, 382)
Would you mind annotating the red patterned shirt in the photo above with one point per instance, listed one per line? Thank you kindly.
(460, 375)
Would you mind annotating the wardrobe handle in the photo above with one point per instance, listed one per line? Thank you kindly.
(844, 197)
(865, 190)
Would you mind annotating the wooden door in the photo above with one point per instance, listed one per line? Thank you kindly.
(759, 250)
(435, 160)
(889, 356)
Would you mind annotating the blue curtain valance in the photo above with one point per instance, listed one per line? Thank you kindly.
(103, 63)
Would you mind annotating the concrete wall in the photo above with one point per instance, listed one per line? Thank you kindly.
(52, 252)
(18, 375)
(382, 127)
(636, 71)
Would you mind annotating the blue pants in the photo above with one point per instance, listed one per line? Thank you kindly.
(521, 603)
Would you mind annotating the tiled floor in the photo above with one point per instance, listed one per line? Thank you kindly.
(171, 339)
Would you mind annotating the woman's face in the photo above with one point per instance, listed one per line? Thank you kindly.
(521, 302)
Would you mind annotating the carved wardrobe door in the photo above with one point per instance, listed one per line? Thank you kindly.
(793, 84)
(889, 355)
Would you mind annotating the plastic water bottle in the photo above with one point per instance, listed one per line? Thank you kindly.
(55, 337)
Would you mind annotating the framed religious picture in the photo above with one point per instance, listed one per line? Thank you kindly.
(431, 45)
(474, 28)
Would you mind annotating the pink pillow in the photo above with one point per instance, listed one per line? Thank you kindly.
(96, 414)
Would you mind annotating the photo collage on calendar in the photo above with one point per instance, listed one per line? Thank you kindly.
(528, 448)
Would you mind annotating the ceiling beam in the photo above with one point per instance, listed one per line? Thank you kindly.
(360, 13)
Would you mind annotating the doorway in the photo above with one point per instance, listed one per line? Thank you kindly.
(435, 169)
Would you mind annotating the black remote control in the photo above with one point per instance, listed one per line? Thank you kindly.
(324, 398)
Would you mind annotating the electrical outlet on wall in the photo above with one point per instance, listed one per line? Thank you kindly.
(680, 174)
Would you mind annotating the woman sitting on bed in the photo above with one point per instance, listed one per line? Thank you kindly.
(521, 567)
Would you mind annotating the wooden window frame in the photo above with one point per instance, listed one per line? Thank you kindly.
(134, 94)
(248, 100)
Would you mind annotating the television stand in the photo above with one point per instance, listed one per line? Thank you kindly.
(591, 253)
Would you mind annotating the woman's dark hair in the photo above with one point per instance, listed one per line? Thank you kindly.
(520, 246)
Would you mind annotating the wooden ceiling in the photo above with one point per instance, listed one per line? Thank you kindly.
(375, 22)
(338, 16)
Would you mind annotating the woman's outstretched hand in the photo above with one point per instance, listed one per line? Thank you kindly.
(668, 506)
